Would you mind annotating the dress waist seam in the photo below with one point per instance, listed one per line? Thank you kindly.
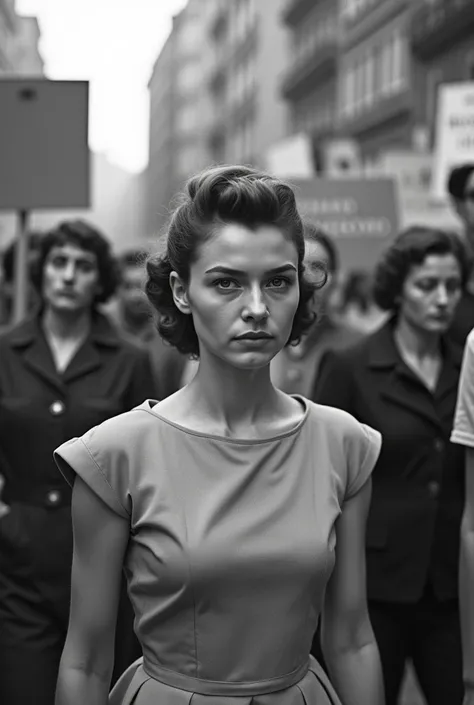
(224, 688)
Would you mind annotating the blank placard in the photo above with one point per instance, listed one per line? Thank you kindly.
(44, 153)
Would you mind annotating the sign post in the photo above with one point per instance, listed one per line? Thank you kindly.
(44, 157)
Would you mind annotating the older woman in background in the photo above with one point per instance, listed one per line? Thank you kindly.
(61, 372)
(402, 380)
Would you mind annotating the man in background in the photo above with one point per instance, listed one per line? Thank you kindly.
(461, 191)
(294, 370)
(135, 320)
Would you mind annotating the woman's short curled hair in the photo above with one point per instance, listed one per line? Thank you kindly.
(214, 198)
(83, 235)
(408, 250)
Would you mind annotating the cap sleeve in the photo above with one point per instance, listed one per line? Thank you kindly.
(362, 454)
(99, 461)
(463, 429)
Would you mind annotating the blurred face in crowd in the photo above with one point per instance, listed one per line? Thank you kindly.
(465, 207)
(243, 293)
(131, 295)
(315, 256)
(70, 279)
(431, 292)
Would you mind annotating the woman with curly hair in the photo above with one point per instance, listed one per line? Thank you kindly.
(61, 372)
(238, 511)
(403, 380)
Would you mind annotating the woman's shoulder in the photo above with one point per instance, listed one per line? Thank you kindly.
(341, 430)
(123, 431)
(351, 446)
(330, 419)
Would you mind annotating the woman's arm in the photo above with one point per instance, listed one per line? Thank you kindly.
(466, 581)
(348, 642)
(100, 540)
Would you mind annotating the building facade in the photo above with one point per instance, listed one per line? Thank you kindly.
(310, 82)
(248, 53)
(177, 133)
(26, 55)
(376, 92)
(442, 41)
(8, 26)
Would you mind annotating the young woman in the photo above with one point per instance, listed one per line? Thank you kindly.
(237, 510)
(402, 380)
(61, 372)
(295, 369)
(463, 435)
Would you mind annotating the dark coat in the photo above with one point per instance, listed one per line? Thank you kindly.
(39, 410)
(418, 482)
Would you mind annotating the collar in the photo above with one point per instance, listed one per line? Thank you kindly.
(101, 331)
(383, 352)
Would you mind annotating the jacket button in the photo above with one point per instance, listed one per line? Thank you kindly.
(53, 497)
(57, 408)
(434, 489)
(439, 445)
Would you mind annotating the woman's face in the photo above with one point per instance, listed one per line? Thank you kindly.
(315, 256)
(243, 294)
(70, 278)
(431, 292)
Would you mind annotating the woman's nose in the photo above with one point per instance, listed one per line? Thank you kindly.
(256, 307)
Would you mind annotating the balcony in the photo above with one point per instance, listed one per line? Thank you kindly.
(309, 71)
(296, 10)
(437, 26)
(390, 110)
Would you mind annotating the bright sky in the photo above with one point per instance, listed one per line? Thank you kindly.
(113, 44)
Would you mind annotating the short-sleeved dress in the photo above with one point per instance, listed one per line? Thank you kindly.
(463, 429)
(231, 547)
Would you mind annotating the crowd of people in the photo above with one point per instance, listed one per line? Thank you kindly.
(227, 473)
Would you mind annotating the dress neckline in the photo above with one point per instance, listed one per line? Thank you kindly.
(149, 406)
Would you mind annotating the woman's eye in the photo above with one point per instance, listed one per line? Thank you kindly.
(279, 282)
(225, 283)
(426, 285)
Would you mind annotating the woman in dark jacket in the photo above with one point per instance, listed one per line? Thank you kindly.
(402, 380)
(61, 372)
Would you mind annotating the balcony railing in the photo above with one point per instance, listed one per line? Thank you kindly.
(435, 26)
(308, 71)
(295, 10)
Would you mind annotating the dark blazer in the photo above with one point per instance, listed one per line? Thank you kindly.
(418, 482)
(41, 409)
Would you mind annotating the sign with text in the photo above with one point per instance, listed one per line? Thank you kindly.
(454, 133)
(360, 214)
(44, 153)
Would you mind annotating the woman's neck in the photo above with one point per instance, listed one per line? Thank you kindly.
(66, 326)
(233, 398)
(419, 344)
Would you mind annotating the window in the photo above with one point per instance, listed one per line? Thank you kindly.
(189, 77)
(369, 78)
(376, 73)
(399, 53)
(187, 118)
(348, 91)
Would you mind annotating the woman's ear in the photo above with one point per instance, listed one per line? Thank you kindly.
(180, 295)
